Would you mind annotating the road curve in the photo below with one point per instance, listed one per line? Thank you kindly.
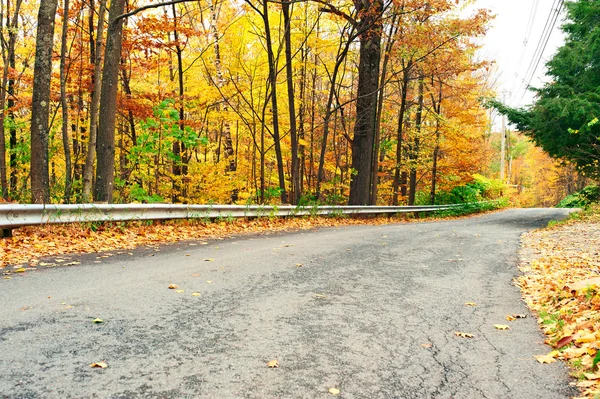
(369, 310)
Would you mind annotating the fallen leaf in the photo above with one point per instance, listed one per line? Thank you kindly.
(586, 338)
(99, 365)
(519, 316)
(463, 335)
(564, 341)
(510, 318)
(209, 281)
(179, 291)
(426, 345)
(208, 259)
(470, 304)
(320, 296)
(20, 270)
(196, 275)
(173, 286)
(97, 321)
(299, 265)
(545, 359)
(196, 294)
(334, 391)
(273, 364)
(501, 327)
(7, 277)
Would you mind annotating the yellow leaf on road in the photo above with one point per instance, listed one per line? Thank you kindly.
(179, 291)
(334, 391)
(173, 286)
(470, 304)
(97, 321)
(208, 259)
(586, 338)
(273, 364)
(196, 294)
(463, 335)
(99, 365)
(545, 359)
(20, 270)
(501, 327)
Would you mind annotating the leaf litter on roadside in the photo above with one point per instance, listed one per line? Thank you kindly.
(560, 283)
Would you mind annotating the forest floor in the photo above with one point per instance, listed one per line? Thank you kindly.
(561, 283)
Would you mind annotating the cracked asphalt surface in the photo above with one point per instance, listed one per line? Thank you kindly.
(372, 311)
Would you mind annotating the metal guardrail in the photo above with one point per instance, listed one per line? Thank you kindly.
(17, 215)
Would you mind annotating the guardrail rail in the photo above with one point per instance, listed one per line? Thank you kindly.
(13, 216)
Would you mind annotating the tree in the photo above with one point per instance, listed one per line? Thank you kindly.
(369, 24)
(40, 102)
(564, 119)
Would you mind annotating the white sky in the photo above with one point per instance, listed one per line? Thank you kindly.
(506, 43)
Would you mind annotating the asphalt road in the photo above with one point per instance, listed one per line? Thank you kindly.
(371, 311)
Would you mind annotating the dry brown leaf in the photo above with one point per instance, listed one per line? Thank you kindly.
(463, 334)
(273, 364)
(510, 318)
(564, 341)
(173, 286)
(99, 365)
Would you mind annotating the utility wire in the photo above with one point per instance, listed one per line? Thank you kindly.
(528, 28)
(542, 44)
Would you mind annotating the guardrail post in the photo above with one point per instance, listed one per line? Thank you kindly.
(6, 232)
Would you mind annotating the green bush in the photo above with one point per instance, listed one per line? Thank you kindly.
(581, 199)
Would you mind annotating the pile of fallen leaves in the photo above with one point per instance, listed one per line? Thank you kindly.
(30, 244)
(561, 283)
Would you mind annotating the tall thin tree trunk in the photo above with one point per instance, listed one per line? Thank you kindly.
(63, 101)
(179, 163)
(415, 146)
(400, 134)
(40, 102)
(228, 142)
(370, 12)
(105, 167)
(88, 170)
(436, 149)
(273, 86)
(295, 173)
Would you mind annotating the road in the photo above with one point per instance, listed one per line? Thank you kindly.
(369, 310)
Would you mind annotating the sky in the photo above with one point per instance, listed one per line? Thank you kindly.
(512, 41)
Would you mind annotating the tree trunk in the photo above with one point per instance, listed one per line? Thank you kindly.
(63, 102)
(7, 90)
(386, 57)
(105, 168)
(228, 142)
(273, 85)
(88, 170)
(295, 173)
(341, 56)
(179, 162)
(370, 12)
(436, 149)
(40, 102)
(414, 148)
(400, 133)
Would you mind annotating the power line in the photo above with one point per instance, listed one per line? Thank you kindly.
(542, 44)
(528, 28)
